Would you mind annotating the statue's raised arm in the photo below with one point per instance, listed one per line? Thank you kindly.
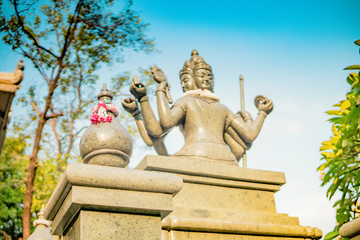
(138, 90)
(148, 126)
(159, 77)
(169, 117)
(241, 130)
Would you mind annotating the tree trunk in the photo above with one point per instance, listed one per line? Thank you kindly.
(33, 164)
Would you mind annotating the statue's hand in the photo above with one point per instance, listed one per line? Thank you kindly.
(163, 87)
(137, 89)
(158, 74)
(264, 104)
(245, 115)
(130, 105)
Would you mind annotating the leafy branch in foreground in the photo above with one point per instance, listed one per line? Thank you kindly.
(341, 154)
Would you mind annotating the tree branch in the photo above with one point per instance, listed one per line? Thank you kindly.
(22, 25)
(70, 32)
(53, 126)
(90, 23)
(71, 136)
(55, 115)
(351, 156)
(55, 29)
(354, 169)
(7, 236)
(53, 70)
(39, 67)
(35, 108)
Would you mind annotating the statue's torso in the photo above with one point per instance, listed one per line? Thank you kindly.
(203, 129)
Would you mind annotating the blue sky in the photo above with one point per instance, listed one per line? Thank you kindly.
(291, 51)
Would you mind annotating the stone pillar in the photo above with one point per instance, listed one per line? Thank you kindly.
(9, 84)
(93, 202)
(221, 201)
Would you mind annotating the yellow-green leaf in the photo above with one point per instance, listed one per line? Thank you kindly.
(335, 180)
(353, 67)
(345, 104)
(334, 112)
(334, 130)
(339, 152)
(327, 154)
(327, 147)
(322, 167)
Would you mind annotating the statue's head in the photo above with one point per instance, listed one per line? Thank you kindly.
(198, 73)
(187, 77)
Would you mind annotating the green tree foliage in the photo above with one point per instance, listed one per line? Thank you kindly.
(341, 154)
(67, 42)
(12, 172)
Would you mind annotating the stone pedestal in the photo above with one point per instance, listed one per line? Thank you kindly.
(227, 202)
(351, 230)
(94, 202)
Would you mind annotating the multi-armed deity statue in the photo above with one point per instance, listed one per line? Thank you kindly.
(198, 193)
(210, 129)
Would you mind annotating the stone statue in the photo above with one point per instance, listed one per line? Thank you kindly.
(14, 78)
(210, 129)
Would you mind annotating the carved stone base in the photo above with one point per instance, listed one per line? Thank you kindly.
(93, 225)
(221, 201)
(176, 235)
(93, 202)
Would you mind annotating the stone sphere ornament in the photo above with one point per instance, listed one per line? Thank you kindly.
(105, 142)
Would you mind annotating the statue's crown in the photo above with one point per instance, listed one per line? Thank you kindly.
(199, 62)
(196, 62)
(187, 68)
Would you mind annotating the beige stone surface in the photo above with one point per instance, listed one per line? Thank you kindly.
(351, 230)
(112, 178)
(209, 168)
(221, 226)
(245, 217)
(94, 225)
(201, 196)
(87, 193)
(185, 235)
(113, 200)
(221, 198)
(9, 88)
(173, 199)
(74, 231)
(229, 182)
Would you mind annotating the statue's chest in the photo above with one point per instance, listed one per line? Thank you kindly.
(209, 110)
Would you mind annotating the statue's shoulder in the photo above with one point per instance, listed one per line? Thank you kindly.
(223, 106)
(227, 111)
(184, 100)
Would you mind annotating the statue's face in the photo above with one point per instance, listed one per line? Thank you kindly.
(203, 79)
(187, 82)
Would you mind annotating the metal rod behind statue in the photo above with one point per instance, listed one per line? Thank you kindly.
(242, 103)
